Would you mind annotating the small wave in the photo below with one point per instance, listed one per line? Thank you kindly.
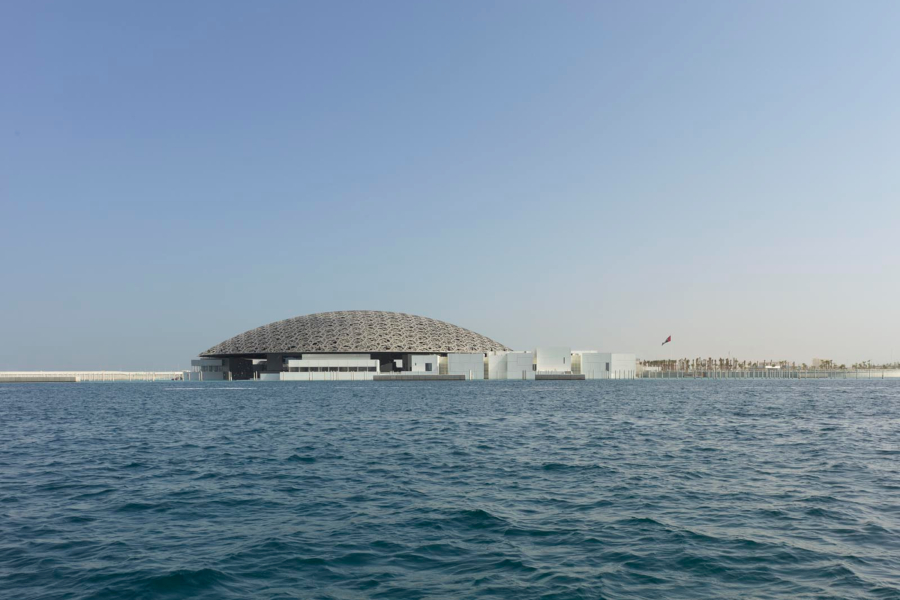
(438, 549)
(818, 511)
(299, 561)
(214, 387)
(509, 565)
(555, 466)
(301, 459)
(186, 582)
(700, 565)
(641, 522)
(87, 495)
(139, 507)
(356, 559)
(479, 519)
(79, 519)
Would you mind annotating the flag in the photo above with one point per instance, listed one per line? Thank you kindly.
(668, 339)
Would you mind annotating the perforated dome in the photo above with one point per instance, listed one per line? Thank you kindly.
(363, 331)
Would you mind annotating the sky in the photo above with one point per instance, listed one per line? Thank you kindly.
(598, 175)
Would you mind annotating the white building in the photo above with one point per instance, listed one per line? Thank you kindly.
(365, 345)
(555, 359)
(471, 365)
(207, 369)
(511, 365)
(420, 363)
(604, 365)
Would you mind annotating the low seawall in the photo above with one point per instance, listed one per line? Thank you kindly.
(27, 379)
(87, 376)
(409, 377)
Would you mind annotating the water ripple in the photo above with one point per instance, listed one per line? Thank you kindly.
(647, 489)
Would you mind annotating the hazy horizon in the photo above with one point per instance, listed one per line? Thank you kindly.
(592, 175)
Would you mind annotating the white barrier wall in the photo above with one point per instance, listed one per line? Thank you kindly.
(592, 366)
(590, 363)
(520, 365)
(318, 376)
(332, 362)
(624, 366)
(555, 359)
(328, 376)
(511, 365)
(421, 363)
(616, 366)
(496, 365)
(470, 365)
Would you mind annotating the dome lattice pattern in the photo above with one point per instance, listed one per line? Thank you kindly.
(364, 331)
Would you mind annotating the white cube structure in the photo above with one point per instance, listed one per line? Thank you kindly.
(421, 363)
(510, 365)
(208, 369)
(470, 365)
(556, 359)
(605, 365)
(589, 363)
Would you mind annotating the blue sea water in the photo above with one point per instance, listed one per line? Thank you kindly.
(615, 489)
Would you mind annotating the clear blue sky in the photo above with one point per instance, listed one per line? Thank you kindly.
(599, 175)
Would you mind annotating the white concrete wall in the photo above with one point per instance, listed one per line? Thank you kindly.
(616, 365)
(511, 365)
(415, 363)
(329, 376)
(470, 365)
(591, 364)
(327, 361)
(496, 365)
(520, 365)
(318, 376)
(624, 366)
(553, 359)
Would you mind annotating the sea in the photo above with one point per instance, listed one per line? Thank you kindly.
(492, 489)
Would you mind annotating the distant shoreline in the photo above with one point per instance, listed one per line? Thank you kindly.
(755, 373)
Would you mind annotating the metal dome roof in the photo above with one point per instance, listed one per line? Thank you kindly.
(356, 331)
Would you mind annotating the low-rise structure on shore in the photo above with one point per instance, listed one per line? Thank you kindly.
(367, 345)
